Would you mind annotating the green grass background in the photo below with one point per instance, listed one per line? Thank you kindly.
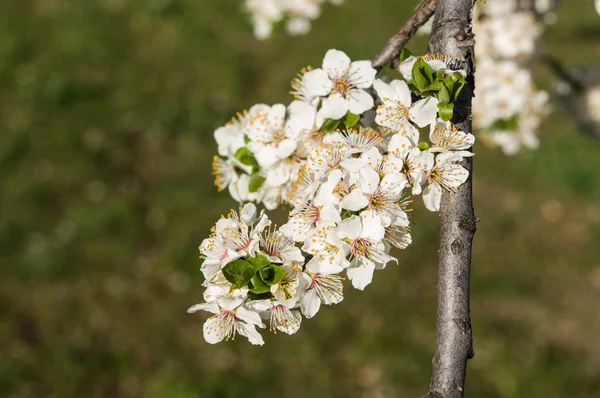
(107, 109)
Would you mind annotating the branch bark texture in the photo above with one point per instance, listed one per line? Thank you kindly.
(393, 47)
(452, 35)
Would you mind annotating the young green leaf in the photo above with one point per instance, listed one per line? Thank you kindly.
(455, 83)
(272, 275)
(259, 286)
(444, 94)
(246, 157)
(256, 181)
(238, 272)
(446, 111)
(423, 146)
(421, 75)
(329, 125)
(405, 54)
(259, 262)
(351, 119)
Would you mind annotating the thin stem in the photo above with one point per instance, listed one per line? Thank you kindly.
(393, 47)
(452, 35)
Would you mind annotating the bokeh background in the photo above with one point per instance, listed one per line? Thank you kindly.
(107, 109)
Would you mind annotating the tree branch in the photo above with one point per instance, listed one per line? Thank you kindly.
(393, 47)
(571, 91)
(451, 34)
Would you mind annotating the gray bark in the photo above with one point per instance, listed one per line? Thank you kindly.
(451, 34)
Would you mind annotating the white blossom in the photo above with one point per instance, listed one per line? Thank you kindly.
(230, 318)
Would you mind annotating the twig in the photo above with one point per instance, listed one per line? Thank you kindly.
(571, 92)
(451, 34)
(393, 47)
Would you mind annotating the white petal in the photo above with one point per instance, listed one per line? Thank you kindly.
(354, 201)
(372, 157)
(353, 165)
(210, 307)
(401, 92)
(276, 116)
(334, 107)
(359, 101)
(214, 330)
(350, 228)
(229, 304)
(383, 90)
(361, 74)
(362, 275)
(251, 333)
(248, 316)
(310, 303)
(317, 83)
(248, 213)
(432, 196)
(368, 180)
(329, 212)
(423, 112)
(267, 156)
(406, 67)
(336, 63)
(286, 148)
(372, 228)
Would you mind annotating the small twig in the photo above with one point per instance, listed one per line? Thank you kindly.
(393, 47)
(571, 92)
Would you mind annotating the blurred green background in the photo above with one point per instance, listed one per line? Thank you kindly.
(107, 109)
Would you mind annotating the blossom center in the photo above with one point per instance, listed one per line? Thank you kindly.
(377, 201)
(360, 247)
(342, 86)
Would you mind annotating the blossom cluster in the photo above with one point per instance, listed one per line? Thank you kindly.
(347, 155)
(507, 108)
(296, 15)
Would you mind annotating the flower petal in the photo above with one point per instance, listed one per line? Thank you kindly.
(210, 307)
(336, 64)
(401, 92)
(423, 112)
(362, 275)
(406, 66)
(354, 201)
(359, 101)
(286, 148)
(432, 196)
(317, 83)
(310, 303)
(361, 74)
(334, 107)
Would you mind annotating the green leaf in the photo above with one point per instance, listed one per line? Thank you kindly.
(246, 139)
(272, 275)
(455, 83)
(351, 119)
(446, 111)
(259, 261)
(246, 157)
(435, 86)
(259, 296)
(259, 286)
(423, 146)
(238, 272)
(444, 94)
(404, 54)
(421, 75)
(412, 86)
(329, 125)
(256, 181)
